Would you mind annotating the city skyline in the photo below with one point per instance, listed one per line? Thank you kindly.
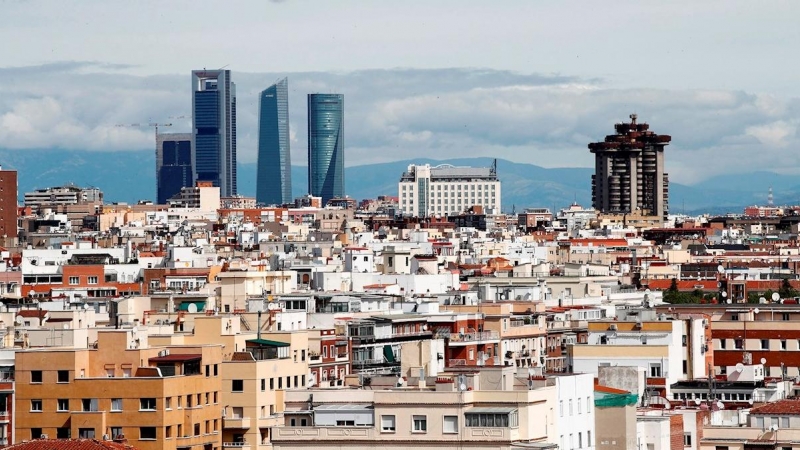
(274, 177)
(533, 93)
(326, 150)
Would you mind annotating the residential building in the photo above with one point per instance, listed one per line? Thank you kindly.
(202, 196)
(8, 207)
(454, 411)
(214, 129)
(157, 398)
(629, 171)
(426, 191)
(326, 146)
(274, 179)
(173, 164)
(63, 196)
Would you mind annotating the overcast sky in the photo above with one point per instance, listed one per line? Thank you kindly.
(529, 81)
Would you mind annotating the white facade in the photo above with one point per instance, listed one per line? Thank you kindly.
(575, 414)
(426, 191)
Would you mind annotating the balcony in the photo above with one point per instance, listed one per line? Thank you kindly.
(456, 362)
(242, 445)
(316, 434)
(478, 337)
(236, 422)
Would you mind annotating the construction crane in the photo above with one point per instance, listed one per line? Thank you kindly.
(149, 124)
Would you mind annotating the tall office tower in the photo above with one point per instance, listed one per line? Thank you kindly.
(629, 171)
(274, 182)
(8, 207)
(214, 129)
(326, 146)
(173, 164)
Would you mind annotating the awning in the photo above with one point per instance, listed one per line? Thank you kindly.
(491, 409)
(184, 306)
(388, 353)
(266, 342)
(344, 407)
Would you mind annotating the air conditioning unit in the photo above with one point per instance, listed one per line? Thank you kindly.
(612, 327)
(43, 436)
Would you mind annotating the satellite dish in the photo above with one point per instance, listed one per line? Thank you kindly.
(271, 306)
(756, 311)
(776, 296)
(762, 300)
(418, 300)
(724, 294)
(85, 306)
(462, 387)
(192, 308)
(728, 301)
(774, 427)
(696, 401)
(739, 367)
(311, 382)
(750, 401)
(720, 405)
(763, 360)
(647, 291)
(19, 320)
(720, 269)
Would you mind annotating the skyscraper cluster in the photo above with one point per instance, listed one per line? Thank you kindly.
(208, 153)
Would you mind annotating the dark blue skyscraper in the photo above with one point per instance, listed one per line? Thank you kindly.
(214, 124)
(173, 164)
(274, 182)
(326, 146)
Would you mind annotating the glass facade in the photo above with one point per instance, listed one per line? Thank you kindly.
(173, 164)
(214, 124)
(274, 183)
(326, 146)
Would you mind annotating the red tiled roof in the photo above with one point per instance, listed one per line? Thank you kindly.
(70, 444)
(784, 407)
(609, 390)
(29, 313)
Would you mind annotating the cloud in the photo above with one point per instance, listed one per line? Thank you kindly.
(403, 113)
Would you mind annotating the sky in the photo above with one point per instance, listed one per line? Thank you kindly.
(528, 81)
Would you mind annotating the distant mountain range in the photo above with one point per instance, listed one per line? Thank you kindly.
(130, 176)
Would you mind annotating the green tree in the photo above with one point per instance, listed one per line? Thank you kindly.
(786, 290)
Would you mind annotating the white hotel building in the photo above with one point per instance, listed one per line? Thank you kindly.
(426, 191)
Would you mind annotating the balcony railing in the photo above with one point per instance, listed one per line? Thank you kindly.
(456, 362)
(236, 444)
(474, 337)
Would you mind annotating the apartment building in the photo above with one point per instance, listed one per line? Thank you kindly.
(467, 342)
(157, 398)
(435, 414)
(426, 191)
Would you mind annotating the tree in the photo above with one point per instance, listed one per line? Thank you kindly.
(673, 286)
(786, 290)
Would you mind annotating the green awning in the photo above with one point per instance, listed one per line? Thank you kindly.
(266, 342)
(184, 306)
(388, 353)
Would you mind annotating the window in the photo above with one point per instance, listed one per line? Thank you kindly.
(272, 384)
(36, 433)
(63, 404)
(579, 406)
(561, 408)
(589, 439)
(722, 344)
(784, 422)
(63, 433)
(63, 376)
(685, 366)
(765, 344)
(148, 433)
(263, 384)
(92, 280)
(116, 432)
(197, 429)
(655, 370)
(580, 440)
(89, 404)
(450, 424)
(738, 344)
(36, 376)
(387, 424)
(180, 430)
(735, 317)
(86, 433)
(280, 383)
(492, 420)
(420, 424)
(36, 405)
(74, 280)
(147, 404)
(785, 316)
(215, 370)
(168, 403)
(116, 404)
(687, 439)
(168, 432)
(783, 344)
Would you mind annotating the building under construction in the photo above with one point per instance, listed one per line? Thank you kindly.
(629, 171)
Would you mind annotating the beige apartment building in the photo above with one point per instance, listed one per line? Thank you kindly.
(256, 370)
(156, 398)
(423, 417)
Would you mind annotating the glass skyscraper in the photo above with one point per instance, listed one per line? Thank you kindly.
(326, 146)
(173, 164)
(214, 128)
(274, 179)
